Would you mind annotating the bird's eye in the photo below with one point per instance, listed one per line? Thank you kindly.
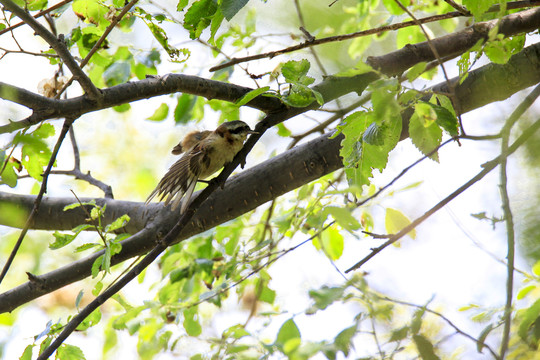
(239, 130)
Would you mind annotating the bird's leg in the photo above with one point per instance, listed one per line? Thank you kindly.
(204, 181)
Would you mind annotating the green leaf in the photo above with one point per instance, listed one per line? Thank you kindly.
(399, 334)
(343, 340)
(416, 322)
(237, 331)
(409, 35)
(91, 320)
(283, 131)
(183, 109)
(482, 337)
(97, 288)
(69, 352)
(527, 318)
(343, 217)
(478, 8)
(395, 221)
(373, 135)
(416, 71)
(191, 322)
(118, 73)
(500, 50)
(525, 291)
(299, 96)
(92, 11)
(181, 5)
(8, 176)
(96, 266)
(251, 95)
(361, 158)
(325, 296)
(424, 132)
(295, 72)
(122, 108)
(79, 298)
(198, 17)
(425, 348)
(215, 24)
(333, 243)
(229, 8)
(44, 131)
(27, 353)
(160, 114)
(61, 240)
(536, 268)
(118, 223)
(288, 332)
(446, 116)
(87, 246)
(394, 8)
(267, 295)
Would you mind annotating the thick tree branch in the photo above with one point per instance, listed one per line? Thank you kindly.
(45, 108)
(242, 193)
(454, 44)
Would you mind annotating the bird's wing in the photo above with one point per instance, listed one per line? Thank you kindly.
(190, 140)
(180, 180)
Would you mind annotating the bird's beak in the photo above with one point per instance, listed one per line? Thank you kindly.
(252, 132)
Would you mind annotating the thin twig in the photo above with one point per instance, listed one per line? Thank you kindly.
(458, 7)
(315, 42)
(505, 199)
(448, 321)
(65, 128)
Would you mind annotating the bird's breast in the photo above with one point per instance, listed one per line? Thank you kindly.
(219, 154)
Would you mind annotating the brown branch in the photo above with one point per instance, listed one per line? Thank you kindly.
(425, 20)
(458, 7)
(45, 108)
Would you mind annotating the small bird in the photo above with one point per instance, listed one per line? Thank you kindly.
(205, 152)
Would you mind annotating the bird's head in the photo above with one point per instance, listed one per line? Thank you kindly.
(236, 130)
